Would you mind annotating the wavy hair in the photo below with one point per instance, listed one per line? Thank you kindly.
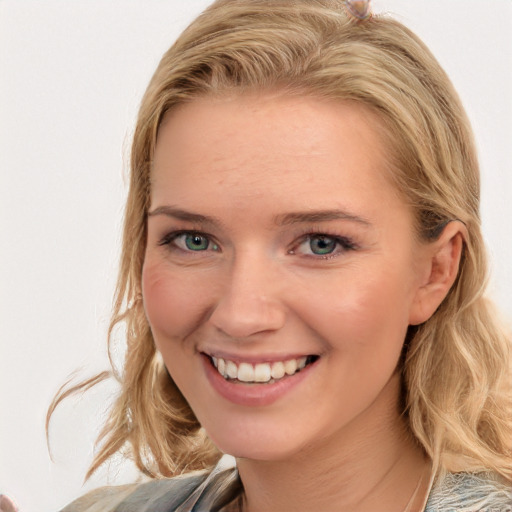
(456, 366)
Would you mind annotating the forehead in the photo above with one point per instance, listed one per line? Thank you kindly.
(270, 146)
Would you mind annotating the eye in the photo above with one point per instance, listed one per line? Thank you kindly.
(193, 242)
(190, 242)
(323, 245)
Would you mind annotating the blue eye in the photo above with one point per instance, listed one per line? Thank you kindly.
(322, 245)
(190, 242)
(195, 242)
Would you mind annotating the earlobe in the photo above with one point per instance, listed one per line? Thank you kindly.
(442, 268)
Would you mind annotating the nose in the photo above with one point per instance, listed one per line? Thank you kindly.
(250, 301)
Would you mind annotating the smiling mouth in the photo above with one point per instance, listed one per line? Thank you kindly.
(261, 373)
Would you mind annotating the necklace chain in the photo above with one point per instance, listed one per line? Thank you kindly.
(414, 494)
(239, 507)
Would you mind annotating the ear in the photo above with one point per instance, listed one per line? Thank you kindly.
(441, 267)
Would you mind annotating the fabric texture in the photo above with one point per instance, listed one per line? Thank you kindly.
(470, 492)
(217, 491)
(221, 491)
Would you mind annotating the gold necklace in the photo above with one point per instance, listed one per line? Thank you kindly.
(418, 487)
(238, 504)
(413, 497)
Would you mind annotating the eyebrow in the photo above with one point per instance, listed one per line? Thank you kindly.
(318, 216)
(178, 213)
(285, 219)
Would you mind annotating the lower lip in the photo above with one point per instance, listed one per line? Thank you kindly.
(253, 394)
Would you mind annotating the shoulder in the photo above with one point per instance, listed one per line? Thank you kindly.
(106, 499)
(201, 488)
(470, 492)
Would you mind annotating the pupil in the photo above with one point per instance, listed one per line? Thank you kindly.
(322, 245)
(196, 242)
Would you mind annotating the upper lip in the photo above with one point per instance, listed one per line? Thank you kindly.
(255, 359)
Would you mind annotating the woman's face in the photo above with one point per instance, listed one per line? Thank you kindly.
(276, 240)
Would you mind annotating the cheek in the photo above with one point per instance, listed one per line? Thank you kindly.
(368, 310)
(173, 305)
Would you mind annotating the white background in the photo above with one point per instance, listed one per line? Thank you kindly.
(71, 76)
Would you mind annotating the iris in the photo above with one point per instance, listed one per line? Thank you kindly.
(322, 245)
(196, 242)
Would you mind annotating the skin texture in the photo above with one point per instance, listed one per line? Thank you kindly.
(259, 292)
(6, 504)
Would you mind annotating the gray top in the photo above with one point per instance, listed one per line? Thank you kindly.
(221, 491)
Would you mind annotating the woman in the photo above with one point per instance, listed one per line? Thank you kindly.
(302, 276)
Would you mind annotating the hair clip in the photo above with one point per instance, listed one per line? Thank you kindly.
(359, 9)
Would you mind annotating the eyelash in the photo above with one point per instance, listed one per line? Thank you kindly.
(170, 238)
(342, 243)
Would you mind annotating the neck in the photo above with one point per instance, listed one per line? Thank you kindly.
(371, 464)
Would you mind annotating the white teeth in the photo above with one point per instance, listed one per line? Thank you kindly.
(290, 367)
(221, 366)
(261, 372)
(277, 371)
(231, 370)
(245, 372)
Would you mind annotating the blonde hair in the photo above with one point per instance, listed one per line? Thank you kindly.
(456, 365)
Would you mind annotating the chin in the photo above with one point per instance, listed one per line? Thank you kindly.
(259, 452)
(263, 444)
